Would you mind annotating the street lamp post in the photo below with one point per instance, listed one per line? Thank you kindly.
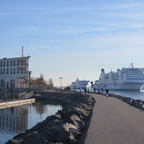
(60, 82)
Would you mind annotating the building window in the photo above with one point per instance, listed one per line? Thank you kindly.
(14, 62)
(4, 63)
(7, 85)
(3, 71)
(7, 63)
(1, 63)
(11, 70)
(7, 71)
(14, 70)
(2, 83)
(24, 70)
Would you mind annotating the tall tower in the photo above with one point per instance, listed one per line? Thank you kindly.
(22, 51)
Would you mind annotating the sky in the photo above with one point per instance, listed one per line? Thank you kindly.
(73, 38)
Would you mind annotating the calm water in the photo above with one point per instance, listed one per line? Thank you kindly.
(15, 120)
(132, 94)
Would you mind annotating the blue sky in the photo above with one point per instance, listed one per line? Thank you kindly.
(73, 38)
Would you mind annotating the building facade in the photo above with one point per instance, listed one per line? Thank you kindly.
(14, 72)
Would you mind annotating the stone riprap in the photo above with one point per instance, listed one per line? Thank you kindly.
(66, 126)
(136, 103)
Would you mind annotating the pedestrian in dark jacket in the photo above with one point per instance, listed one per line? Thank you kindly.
(107, 92)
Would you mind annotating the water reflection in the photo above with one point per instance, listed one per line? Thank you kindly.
(15, 120)
(40, 108)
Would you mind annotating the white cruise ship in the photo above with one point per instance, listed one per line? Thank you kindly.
(79, 84)
(125, 79)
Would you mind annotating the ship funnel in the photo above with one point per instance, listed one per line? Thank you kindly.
(132, 65)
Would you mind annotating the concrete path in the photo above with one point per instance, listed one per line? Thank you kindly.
(115, 122)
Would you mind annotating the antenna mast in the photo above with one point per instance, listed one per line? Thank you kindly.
(22, 51)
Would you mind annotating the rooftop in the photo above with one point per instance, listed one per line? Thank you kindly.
(25, 57)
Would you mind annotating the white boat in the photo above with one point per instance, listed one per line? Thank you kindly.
(79, 84)
(125, 79)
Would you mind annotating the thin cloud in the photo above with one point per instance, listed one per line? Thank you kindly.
(42, 10)
(132, 15)
(124, 6)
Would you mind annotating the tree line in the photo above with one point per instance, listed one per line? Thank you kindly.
(41, 82)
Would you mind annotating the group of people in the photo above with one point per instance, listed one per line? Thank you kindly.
(86, 91)
(94, 91)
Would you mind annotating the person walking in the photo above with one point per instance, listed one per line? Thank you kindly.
(85, 90)
(107, 92)
(94, 90)
(88, 91)
(102, 90)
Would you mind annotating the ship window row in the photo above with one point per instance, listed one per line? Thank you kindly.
(141, 76)
(135, 78)
(12, 71)
(13, 63)
(141, 73)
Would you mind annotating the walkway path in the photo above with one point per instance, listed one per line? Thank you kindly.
(115, 122)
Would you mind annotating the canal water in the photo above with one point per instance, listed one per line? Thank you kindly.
(15, 120)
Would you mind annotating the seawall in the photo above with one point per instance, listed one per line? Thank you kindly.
(135, 103)
(67, 126)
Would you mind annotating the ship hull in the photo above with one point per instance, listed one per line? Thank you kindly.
(125, 86)
(120, 86)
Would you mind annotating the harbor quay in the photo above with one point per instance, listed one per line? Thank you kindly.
(15, 103)
(88, 119)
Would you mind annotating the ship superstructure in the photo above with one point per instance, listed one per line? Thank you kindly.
(79, 84)
(125, 79)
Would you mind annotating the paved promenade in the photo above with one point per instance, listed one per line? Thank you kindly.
(115, 122)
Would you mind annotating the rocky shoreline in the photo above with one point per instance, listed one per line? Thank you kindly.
(67, 126)
(135, 103)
